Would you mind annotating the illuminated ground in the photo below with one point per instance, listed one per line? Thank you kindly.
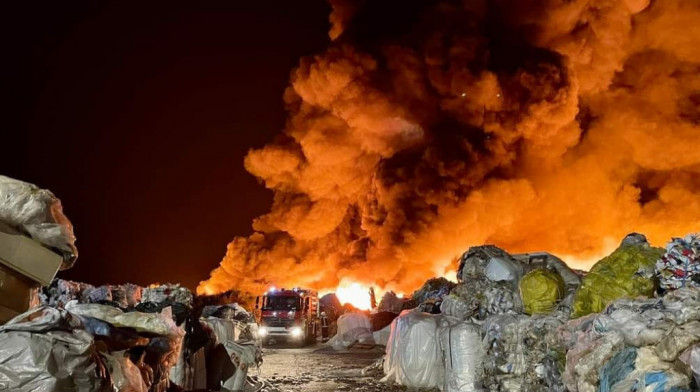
(319, 368)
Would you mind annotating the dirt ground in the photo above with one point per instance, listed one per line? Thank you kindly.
(320, 368)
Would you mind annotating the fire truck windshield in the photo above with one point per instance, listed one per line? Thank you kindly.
(283, 303)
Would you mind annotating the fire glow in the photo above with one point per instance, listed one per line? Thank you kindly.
(354, 294)
(569, 128)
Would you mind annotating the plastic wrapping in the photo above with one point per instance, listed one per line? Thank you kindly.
(125, 375)
(463, 356)
(40, 351)
(381, 337)
(413, 357)
(38, 213)
(353, 327)
(691, 358)
(627, 272)
(155, 323)
(640, 369)
(541, 290)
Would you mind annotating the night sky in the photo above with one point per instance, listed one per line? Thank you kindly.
(137, 115)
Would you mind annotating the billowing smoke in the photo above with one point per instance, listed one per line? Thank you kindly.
(431, 126)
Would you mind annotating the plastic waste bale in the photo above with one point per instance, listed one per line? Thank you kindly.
(489, 279)
(463, 356)
(456, 308)
(60, 292)
(38, 213)
(691, 358)
(482, 298)
(390, 302)
(627, 272)
(541, 290)
(433, 290)
(632, 369)
(572, 280)
(381, 337)
(413, 357)
(353, 327)
(680, 265)
(44, 350)
(167, 293)
(665, 328)
(523, 353)
(489, 261)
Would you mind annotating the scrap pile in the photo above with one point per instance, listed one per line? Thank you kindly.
(680, 265)
(529, 323)
(60, 335)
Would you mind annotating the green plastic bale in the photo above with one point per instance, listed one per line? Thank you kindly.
(541, 291)
(627, 272)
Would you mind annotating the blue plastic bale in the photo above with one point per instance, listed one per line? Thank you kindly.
(617, 369)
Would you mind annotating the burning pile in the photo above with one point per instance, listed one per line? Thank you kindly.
(430, 125)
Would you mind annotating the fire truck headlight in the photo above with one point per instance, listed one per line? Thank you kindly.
(262, 331)
(296, 332)
(291, 314)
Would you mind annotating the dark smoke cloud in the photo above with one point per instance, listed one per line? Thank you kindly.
(430, 126)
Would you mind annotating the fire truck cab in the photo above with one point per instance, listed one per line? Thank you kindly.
(291, 315)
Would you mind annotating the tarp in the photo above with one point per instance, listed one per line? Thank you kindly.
(627, 272)
(413, 357)
(38, 213)
(41, 352)
(541, 291)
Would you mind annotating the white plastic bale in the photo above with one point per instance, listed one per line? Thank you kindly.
(353, 327)
(413, 357)
(463, 356)
(381, 337)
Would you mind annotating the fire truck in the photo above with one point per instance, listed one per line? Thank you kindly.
(291, 315)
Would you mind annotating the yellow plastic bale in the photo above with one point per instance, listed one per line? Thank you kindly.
(541, 291)
(627, 272)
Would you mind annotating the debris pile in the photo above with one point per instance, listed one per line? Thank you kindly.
(529, 323)
(64, 335)
(680, 265)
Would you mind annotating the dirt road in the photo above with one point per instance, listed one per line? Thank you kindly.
(320, 368)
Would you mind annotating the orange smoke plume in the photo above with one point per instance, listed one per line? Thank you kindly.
(428, 127)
